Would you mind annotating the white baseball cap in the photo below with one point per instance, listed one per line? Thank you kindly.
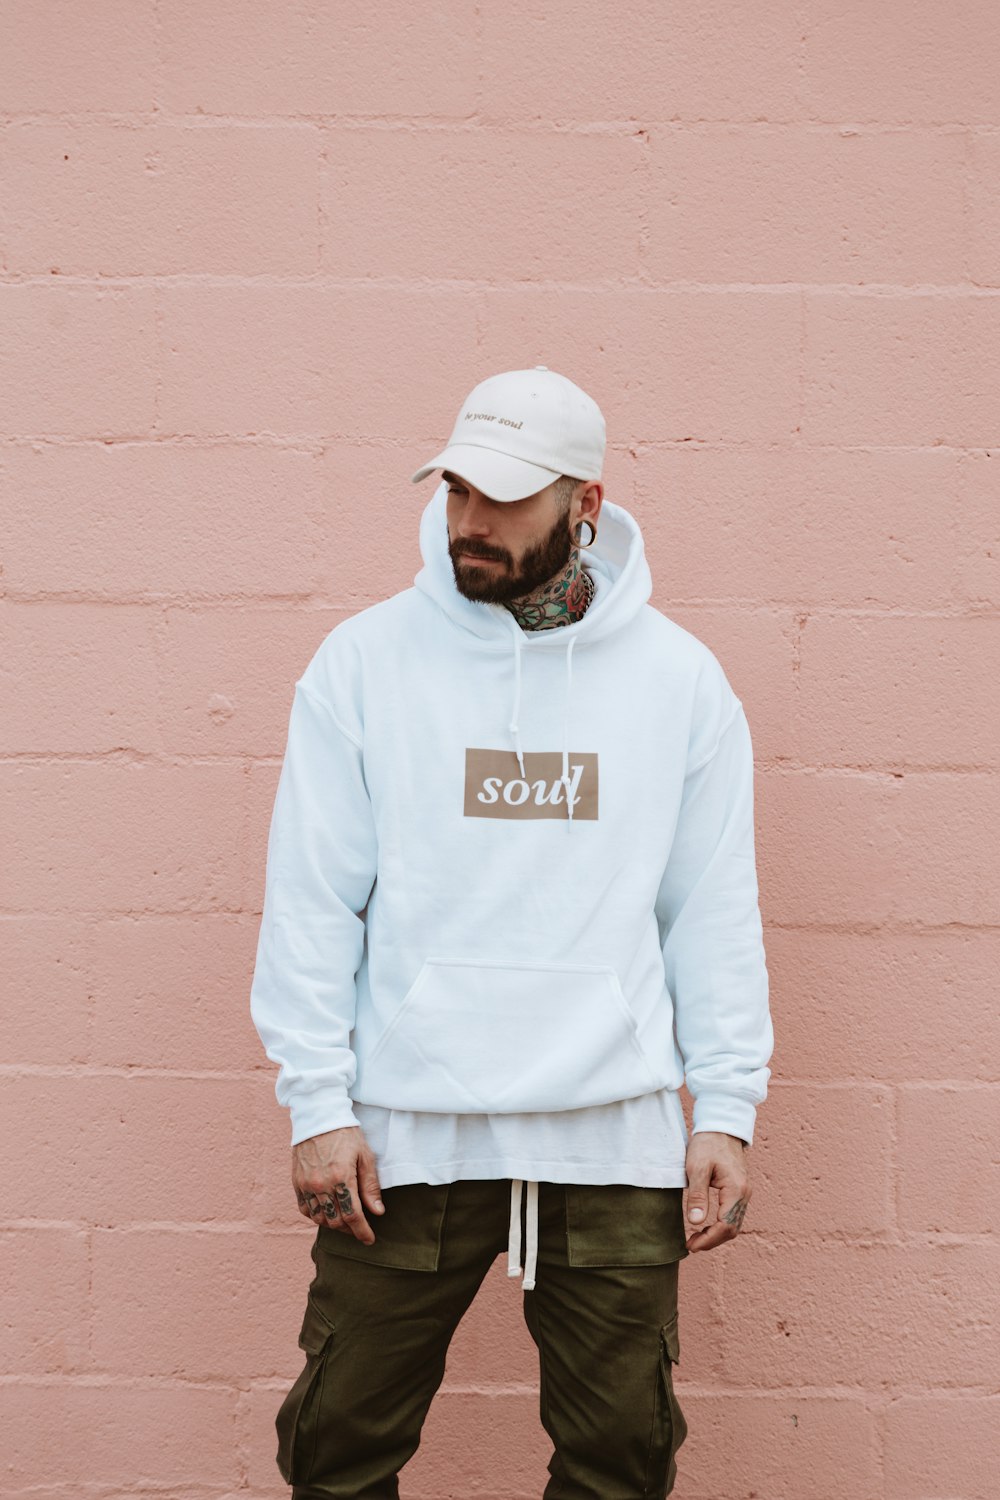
(519, 431)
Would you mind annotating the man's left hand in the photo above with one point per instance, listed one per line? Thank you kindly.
(716, 1160)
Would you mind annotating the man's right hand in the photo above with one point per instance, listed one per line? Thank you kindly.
(333, 1175)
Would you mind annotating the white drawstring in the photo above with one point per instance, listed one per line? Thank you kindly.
(513, 725)
(514, 1236)
(569, 690)
(531, 1248)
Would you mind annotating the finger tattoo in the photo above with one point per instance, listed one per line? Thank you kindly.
(344, 1198)
(737, 1213)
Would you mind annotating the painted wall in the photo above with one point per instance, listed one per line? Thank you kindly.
(253, 257)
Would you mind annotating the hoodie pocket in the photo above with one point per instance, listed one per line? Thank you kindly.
(498, 1036)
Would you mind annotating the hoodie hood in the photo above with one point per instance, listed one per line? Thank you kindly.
(623, 584)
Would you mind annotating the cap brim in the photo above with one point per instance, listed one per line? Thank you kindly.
(499, 475)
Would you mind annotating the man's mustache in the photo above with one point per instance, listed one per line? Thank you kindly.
(490, 556)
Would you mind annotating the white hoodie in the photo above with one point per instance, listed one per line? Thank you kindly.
(514, 871)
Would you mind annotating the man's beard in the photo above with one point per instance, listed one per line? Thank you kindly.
(502, 583)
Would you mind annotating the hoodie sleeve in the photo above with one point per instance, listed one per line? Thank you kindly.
(712, 937)
(321, 865)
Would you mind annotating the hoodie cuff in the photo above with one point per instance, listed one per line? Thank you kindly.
(728, 1113)
(320, 1111)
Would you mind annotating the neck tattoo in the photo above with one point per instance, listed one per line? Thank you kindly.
(561, 601)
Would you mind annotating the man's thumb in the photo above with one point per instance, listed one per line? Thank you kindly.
(697, 1203)
(368, 1185)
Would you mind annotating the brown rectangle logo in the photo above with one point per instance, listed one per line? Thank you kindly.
(495, 788)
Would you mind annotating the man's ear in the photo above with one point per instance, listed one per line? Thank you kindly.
(587, 505)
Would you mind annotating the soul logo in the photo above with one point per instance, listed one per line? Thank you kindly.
(488, 416)
(495, 788)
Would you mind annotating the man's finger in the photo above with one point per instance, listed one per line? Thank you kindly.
(320, 1206)
(732, 1208)
(309, 1204)
(734, 1197)
(699, 1178)
(348, 1200)
(718, 1233)
(368, 1183)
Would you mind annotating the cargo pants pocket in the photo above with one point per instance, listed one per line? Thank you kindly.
(297, 1420)
(669, 1425)
(615, 1224)
(408, 1238)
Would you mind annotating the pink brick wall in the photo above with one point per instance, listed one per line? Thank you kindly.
(253, 254)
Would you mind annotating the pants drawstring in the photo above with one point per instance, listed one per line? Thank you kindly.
(514, 1237)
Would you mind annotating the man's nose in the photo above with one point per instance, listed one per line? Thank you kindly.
(475, 518)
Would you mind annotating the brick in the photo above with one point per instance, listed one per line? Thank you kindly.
(781, 525)
(664, 364)
(977, 548)
(755, 648)
(859, 63)
(173, 991)
(822, 1159)
(940, 1443)
(45, 1276)
(229, 675)
(901, 847)
(747, 1446)
(259, 1438)
(116, 1433)
(261, 789)
(137, 1148)
(828, 1313)
(165, 520)
(95, 199)
(273, 1202)
(492, 1345)
(77, 359)
(45, 968)
(855, 702)
(813, 205)
(525, 227)
(883, 1005)
(55, 58)
(89, 676)
(984, 209)
(248, 57)
(207, 1305)
(105, 835)
(917, 368)
(325, 372)
(655, 64)
(949, 1170)
(471, 1440)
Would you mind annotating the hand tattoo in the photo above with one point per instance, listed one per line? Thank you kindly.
(736, 1214)
(344, 1198)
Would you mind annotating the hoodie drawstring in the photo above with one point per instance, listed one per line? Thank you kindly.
(515, 728)
(531, 1238)
(513, 725)
(569, 690)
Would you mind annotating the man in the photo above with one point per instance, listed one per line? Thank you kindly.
(511, 906)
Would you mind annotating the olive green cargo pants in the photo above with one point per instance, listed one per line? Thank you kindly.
(603, 1314)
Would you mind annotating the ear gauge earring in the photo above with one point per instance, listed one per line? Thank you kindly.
(579, 534)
